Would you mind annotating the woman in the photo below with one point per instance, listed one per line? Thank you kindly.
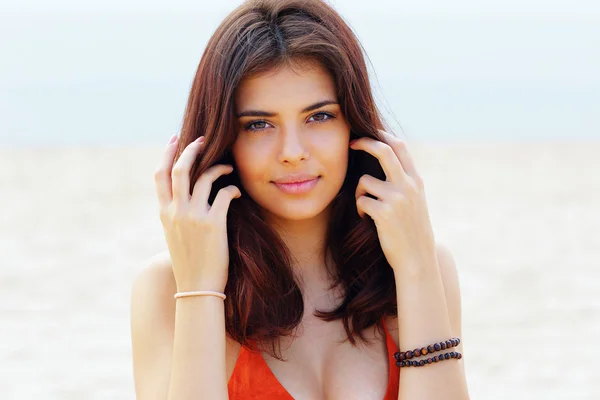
(301, 258)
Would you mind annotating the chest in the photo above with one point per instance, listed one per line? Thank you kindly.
(321, 365)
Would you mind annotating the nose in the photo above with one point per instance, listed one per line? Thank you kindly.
(292, 148)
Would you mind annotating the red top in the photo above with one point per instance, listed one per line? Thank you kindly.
(252, 378)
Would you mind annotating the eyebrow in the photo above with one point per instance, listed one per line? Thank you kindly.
(259, 113)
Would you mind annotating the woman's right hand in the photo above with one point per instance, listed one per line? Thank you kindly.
(196, 233)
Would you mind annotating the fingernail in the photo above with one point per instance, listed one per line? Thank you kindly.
(173, 138)
(352, 141)
(200, 139)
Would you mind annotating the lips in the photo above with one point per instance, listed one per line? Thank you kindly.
(297, 185)
(298, 178)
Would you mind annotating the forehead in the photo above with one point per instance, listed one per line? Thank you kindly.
(297, 86)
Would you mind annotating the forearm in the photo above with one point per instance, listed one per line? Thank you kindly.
(423, 319)
(199, 370)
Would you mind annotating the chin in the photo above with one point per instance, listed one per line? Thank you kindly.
(296, 210)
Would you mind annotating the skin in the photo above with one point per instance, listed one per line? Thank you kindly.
(290, 141)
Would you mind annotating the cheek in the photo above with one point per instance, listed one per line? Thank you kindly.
(333, 149)
(249, 165)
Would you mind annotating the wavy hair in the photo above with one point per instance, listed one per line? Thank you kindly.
(264, 297)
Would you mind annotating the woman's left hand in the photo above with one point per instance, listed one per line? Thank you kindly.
(400, 211)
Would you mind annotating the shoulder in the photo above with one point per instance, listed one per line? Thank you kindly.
(449, 273)
(151, 323)
(153, 310)
(450, 280)
(152, 302)
(156, 275)
(153, 287)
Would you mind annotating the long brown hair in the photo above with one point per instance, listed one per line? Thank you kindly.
(264, 300)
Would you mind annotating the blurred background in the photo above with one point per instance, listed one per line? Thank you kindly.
(498, 100)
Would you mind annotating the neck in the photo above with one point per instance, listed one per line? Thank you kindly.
(305, 240)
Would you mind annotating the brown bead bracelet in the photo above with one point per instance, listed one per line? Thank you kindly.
(432, 348)
(430, 360)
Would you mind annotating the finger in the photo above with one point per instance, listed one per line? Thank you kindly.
(162, 174)
(180, 175)
(224, 197)
(203, 185)
(371, 185)
(367, 205)
(401, 150)
(383, 152)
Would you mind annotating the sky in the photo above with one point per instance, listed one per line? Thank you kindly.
(573, 8)
(118, 72)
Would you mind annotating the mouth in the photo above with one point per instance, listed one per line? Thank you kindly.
(298, 186)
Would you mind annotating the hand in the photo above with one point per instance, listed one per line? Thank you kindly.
(400, 210)
(196, 233)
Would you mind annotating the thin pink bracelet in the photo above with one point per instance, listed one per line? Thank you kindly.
(200, 293)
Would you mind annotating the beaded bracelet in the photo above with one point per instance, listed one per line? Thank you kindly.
(432, 348)
(430, 360)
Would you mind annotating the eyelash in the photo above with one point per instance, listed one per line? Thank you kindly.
(247, 126)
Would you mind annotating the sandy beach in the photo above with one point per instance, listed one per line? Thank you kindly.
(522, 220)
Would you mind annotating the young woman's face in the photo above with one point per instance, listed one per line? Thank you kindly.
(291, 129)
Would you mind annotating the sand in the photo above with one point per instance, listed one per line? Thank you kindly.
(522, 220)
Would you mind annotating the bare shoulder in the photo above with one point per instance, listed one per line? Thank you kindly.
(153, 307)
(152, 302)
(156, 276)
(447, 267)
(157, 282)
(450, 280)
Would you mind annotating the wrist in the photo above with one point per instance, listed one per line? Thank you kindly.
(194, 286)
(417, 270)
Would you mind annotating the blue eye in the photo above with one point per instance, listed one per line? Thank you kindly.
(249, 127)
(324, 114)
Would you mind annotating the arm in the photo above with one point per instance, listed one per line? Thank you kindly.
(429, 311)
(178, 346)
(427, 289)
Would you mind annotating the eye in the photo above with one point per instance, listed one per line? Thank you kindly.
(322, 116)
(261, 125)
(249, 127)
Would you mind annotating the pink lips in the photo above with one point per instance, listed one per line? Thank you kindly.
(297, 187)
